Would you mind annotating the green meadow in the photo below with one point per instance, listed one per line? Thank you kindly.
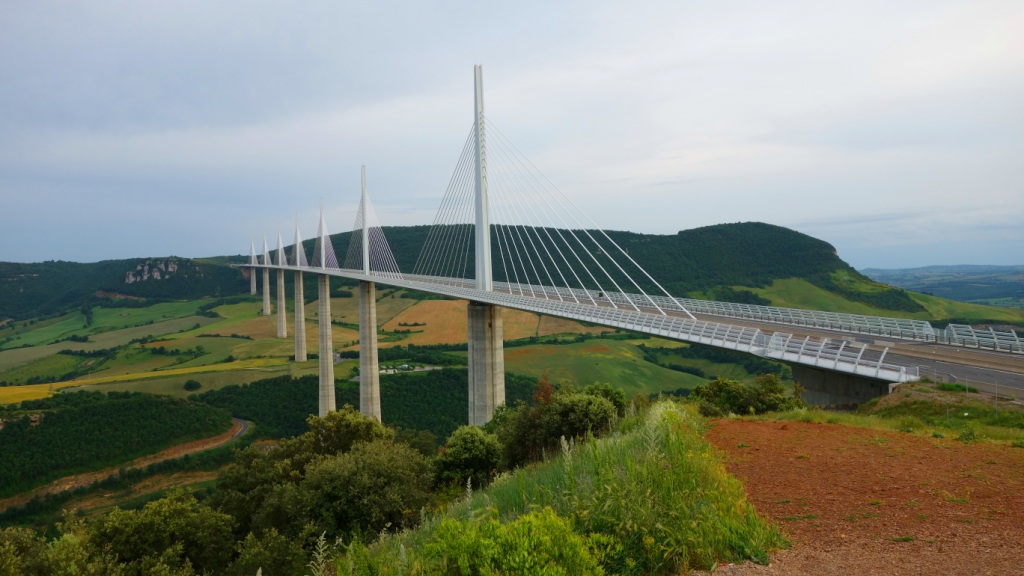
(616, 362)
(799, 293)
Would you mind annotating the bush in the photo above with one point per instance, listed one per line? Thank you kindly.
(728, 396)
(177, 530)
(338, 431)
(192, 385)
(526, 432)
(470, 453)
(272, 553)
(575, 415)
(538, 543)
(377, 486)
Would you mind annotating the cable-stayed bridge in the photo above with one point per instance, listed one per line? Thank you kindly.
(506, 237)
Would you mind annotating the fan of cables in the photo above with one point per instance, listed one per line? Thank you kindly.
(542, 243)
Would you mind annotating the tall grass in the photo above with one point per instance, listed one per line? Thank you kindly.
(925, 419)
(652, 498)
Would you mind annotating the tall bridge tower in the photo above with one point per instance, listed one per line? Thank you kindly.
(486, 349)
(369, 369)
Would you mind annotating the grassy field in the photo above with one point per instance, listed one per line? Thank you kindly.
(943, 308)
(174, 385)
(615, 362)
(798, 293)
(104, 319)
(16, 357)
(711, 369)
(444, 322)
(268, 367)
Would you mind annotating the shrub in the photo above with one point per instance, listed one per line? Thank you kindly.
(614, 395)
(272, 553)
(526, 433)
(538, 543)
(338, 431)
(177, 530)
(469, 453)
(377, 486)
(728, 396)
(192, 385)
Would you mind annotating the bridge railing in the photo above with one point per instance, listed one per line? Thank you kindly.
(779, 346)
(990, 339)
(899, 328)
(829, 354)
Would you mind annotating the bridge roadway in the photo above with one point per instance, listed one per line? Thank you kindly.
(987, 371)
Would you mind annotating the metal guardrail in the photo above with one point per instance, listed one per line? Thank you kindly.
(967, 336)
(778, 346)
(899, 328)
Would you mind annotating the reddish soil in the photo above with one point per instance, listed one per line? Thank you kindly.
(859, 501)
(87, 478)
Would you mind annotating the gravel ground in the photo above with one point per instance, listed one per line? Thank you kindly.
(859, 501)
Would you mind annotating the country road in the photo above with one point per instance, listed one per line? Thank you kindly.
(238, 429)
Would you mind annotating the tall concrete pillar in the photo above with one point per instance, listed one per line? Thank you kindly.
(486, 362)
(252, 271)
(369, 368)
(266, 292)
(300, 320)
(326, 347)
(282, 307)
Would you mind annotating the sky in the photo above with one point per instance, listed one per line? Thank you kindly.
(893, 129)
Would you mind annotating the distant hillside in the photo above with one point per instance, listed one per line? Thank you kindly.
(705, 262)
(30, 290)
(995, 285)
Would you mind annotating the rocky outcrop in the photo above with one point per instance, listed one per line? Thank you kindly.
(151, 270)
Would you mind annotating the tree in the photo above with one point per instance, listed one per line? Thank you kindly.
(379, 485)
(272, 553)
(469, 453)
(338, 431)
(543, 391)
(176, 531)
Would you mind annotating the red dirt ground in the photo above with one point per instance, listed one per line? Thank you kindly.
(860, 501)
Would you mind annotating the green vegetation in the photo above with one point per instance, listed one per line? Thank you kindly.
(47, 509)
(752, 365)
(620, 363)
(434, 401)
(651, 499)
(720, 397)
(75, 430)
(992, 285)
(919, 408)
(31, 290)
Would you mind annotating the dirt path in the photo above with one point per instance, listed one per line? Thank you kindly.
(238, 427)
(858, 501)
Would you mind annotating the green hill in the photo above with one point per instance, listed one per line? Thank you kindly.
(750, 262)
(48, 288)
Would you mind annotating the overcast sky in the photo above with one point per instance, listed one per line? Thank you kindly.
(892, 129)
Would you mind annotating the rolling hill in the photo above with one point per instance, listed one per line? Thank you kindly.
(749, 262)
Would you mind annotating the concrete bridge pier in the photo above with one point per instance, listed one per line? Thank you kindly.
(486, 361)
(266, 292)
(828, 388)
(282, 307)
(300, 320)
(327, 403)
(252, 281)
(369, 368)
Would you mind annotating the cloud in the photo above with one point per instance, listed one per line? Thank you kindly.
(140, 128)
